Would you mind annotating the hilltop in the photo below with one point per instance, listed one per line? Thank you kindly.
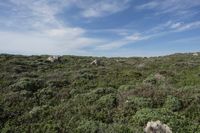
(118, 95)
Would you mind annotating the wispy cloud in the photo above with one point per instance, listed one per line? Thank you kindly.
(149, 5)
(176, 25)
(34, 43)
(40, 29)
(93, 8)
(169, 5)
(122, 42)
(35, 13)
(171, 26)
(174, 7)
(188, 26)
(155, 32)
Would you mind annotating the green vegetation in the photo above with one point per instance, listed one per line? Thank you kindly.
(118, 96)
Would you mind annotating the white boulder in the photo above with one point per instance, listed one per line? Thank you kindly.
(157, 127)
(95, 62)
(53, 58)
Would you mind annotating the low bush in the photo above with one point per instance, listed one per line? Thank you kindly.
(27, 84)
(173, 103)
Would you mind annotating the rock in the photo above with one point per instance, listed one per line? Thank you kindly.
(95, 62)
(195, 54)
(53, 58)
(157, 127)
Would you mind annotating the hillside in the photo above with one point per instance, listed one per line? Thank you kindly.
(119, 95)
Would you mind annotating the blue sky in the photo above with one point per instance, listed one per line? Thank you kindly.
(99, 27)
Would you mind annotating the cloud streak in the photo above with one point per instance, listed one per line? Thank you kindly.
(122, 42)
(101, 8)
(158, 31)
(173, 7)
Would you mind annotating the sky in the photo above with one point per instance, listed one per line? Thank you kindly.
(99, 27)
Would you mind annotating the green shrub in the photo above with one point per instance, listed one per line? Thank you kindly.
(104, 91)
(138, 102)
(91, 127)
(192, 111)
(28, 84)
(57, 83)
(108, 101)
(121, 128)
(172, 103)
(126, 88)
(154, 79)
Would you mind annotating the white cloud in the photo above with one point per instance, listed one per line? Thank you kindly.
(122, 42)
(112, 45)
(149, 5)
(159, 28)
(93, 8)
(25, 43)
(171, 26)
(34, 43)
(182, 8)
(188, 26)
(176, 25)
(134, 37)
(36, 14)
(65, 32)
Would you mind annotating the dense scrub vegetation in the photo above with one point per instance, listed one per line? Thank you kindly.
(118, 96)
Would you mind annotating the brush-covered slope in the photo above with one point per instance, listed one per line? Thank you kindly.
(120, 95)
